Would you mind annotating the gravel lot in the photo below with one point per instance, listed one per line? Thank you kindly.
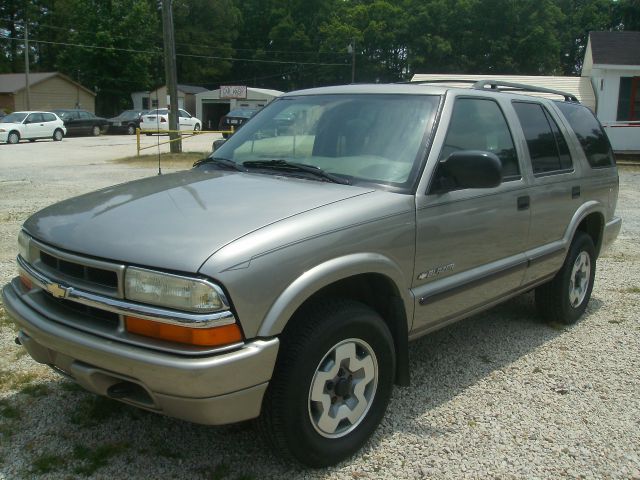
(499, 395)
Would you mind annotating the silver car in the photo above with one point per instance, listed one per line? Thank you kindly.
(283, 276)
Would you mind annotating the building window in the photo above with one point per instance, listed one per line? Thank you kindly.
(629, 99)
(145, 103)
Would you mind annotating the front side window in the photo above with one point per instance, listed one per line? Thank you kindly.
(371, 138)
(479, 124)
(183, 113)
(548, 148)
(35, 118)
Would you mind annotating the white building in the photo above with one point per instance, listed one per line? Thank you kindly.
(612, 63)
(213, 104)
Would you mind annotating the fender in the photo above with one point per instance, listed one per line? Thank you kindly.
(331, 271)
(581, 213)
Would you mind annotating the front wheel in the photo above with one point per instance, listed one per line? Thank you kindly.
(196, 127)
(131, 130)
(332, 383)
(13, 137)
(95, 131)
(564, 299)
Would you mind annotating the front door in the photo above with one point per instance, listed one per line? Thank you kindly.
(470, 243)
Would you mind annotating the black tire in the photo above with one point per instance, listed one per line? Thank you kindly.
(58, 135)
(290, 418)
(561, 300)
(13, 138)
(196, 127)
(95, 131)
(148, 134)
(31, 140)
(131, 130)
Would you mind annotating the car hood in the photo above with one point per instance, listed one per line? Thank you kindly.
(177, 221)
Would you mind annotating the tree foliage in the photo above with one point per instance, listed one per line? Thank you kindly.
(115, 46)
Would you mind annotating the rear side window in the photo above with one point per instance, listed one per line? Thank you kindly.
(49, 117)
(593, 140)
(479, 124)
(547, 146)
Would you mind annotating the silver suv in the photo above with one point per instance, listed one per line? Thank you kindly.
(283, 276)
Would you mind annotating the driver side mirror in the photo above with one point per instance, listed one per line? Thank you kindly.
(217, 144)
(468, 169)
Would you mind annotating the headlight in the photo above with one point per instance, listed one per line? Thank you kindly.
(23, 245)
(173, 291)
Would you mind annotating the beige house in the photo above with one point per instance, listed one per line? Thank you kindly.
(48, 91)
(159, 98)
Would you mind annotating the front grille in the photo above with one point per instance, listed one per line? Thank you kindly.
(107, 319)
(94, 275)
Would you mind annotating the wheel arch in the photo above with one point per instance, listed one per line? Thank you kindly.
(371, 279)
(589, 219)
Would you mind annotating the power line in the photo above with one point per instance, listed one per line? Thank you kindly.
(187, 55)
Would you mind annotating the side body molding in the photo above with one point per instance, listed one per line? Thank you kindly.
(327, 273)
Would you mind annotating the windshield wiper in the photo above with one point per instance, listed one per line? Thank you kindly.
(223, 162)
(284, 165)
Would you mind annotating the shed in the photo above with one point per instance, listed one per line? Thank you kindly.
(159, 98)
(212, 105)
(578, 86)
(612, 63)
(47, 91)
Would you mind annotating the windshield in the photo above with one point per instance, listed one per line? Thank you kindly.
(241, 112)
(16, 117)
(371, 138)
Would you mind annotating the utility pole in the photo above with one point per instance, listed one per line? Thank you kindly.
(170, 73)
(352, 50)
(26, 62)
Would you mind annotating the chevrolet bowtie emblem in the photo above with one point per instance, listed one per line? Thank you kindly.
(56, 290)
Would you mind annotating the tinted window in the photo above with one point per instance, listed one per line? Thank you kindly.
(49, 117)
(592, 138)
(547, 147)
(35, 118)
(85, 115)
(478, 124)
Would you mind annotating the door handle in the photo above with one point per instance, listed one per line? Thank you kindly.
(575, 192)
(523, 202)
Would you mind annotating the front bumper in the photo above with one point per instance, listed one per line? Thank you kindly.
(211, 390)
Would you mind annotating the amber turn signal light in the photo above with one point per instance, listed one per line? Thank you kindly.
(204, 337)
(26, 282)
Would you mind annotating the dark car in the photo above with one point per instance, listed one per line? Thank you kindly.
(81, 122)
(126, 122)
(236, 118)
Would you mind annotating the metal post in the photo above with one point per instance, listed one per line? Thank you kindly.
(171, 74)
(26, 63)
(353, 61)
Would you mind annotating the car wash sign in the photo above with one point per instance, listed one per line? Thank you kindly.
(233, 91)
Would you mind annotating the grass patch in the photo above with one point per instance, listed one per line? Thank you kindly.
(8, 411)
(71, 387)
(631, 290)
(47, 463)
(15, 380)
(94, 458)
(167, 160)
(35, 390)
(94, 410)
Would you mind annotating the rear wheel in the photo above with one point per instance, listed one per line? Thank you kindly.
(565, 298)
(58, 135)
(332, 383)
(13, 137)
(95, 131)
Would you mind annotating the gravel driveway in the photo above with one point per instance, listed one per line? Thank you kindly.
(499, 395)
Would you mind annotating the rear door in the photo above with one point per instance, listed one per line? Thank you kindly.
(470, 243)
(556, 191)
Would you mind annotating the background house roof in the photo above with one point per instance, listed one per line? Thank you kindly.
(615, 48)
(191, 89)
(14, 82)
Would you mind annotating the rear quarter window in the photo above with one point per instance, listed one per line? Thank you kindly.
(593, 140)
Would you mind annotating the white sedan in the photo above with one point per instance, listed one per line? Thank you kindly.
(31, 126)
(158, 121)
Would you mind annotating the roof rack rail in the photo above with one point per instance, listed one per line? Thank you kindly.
(521, 87)
(440, 80)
